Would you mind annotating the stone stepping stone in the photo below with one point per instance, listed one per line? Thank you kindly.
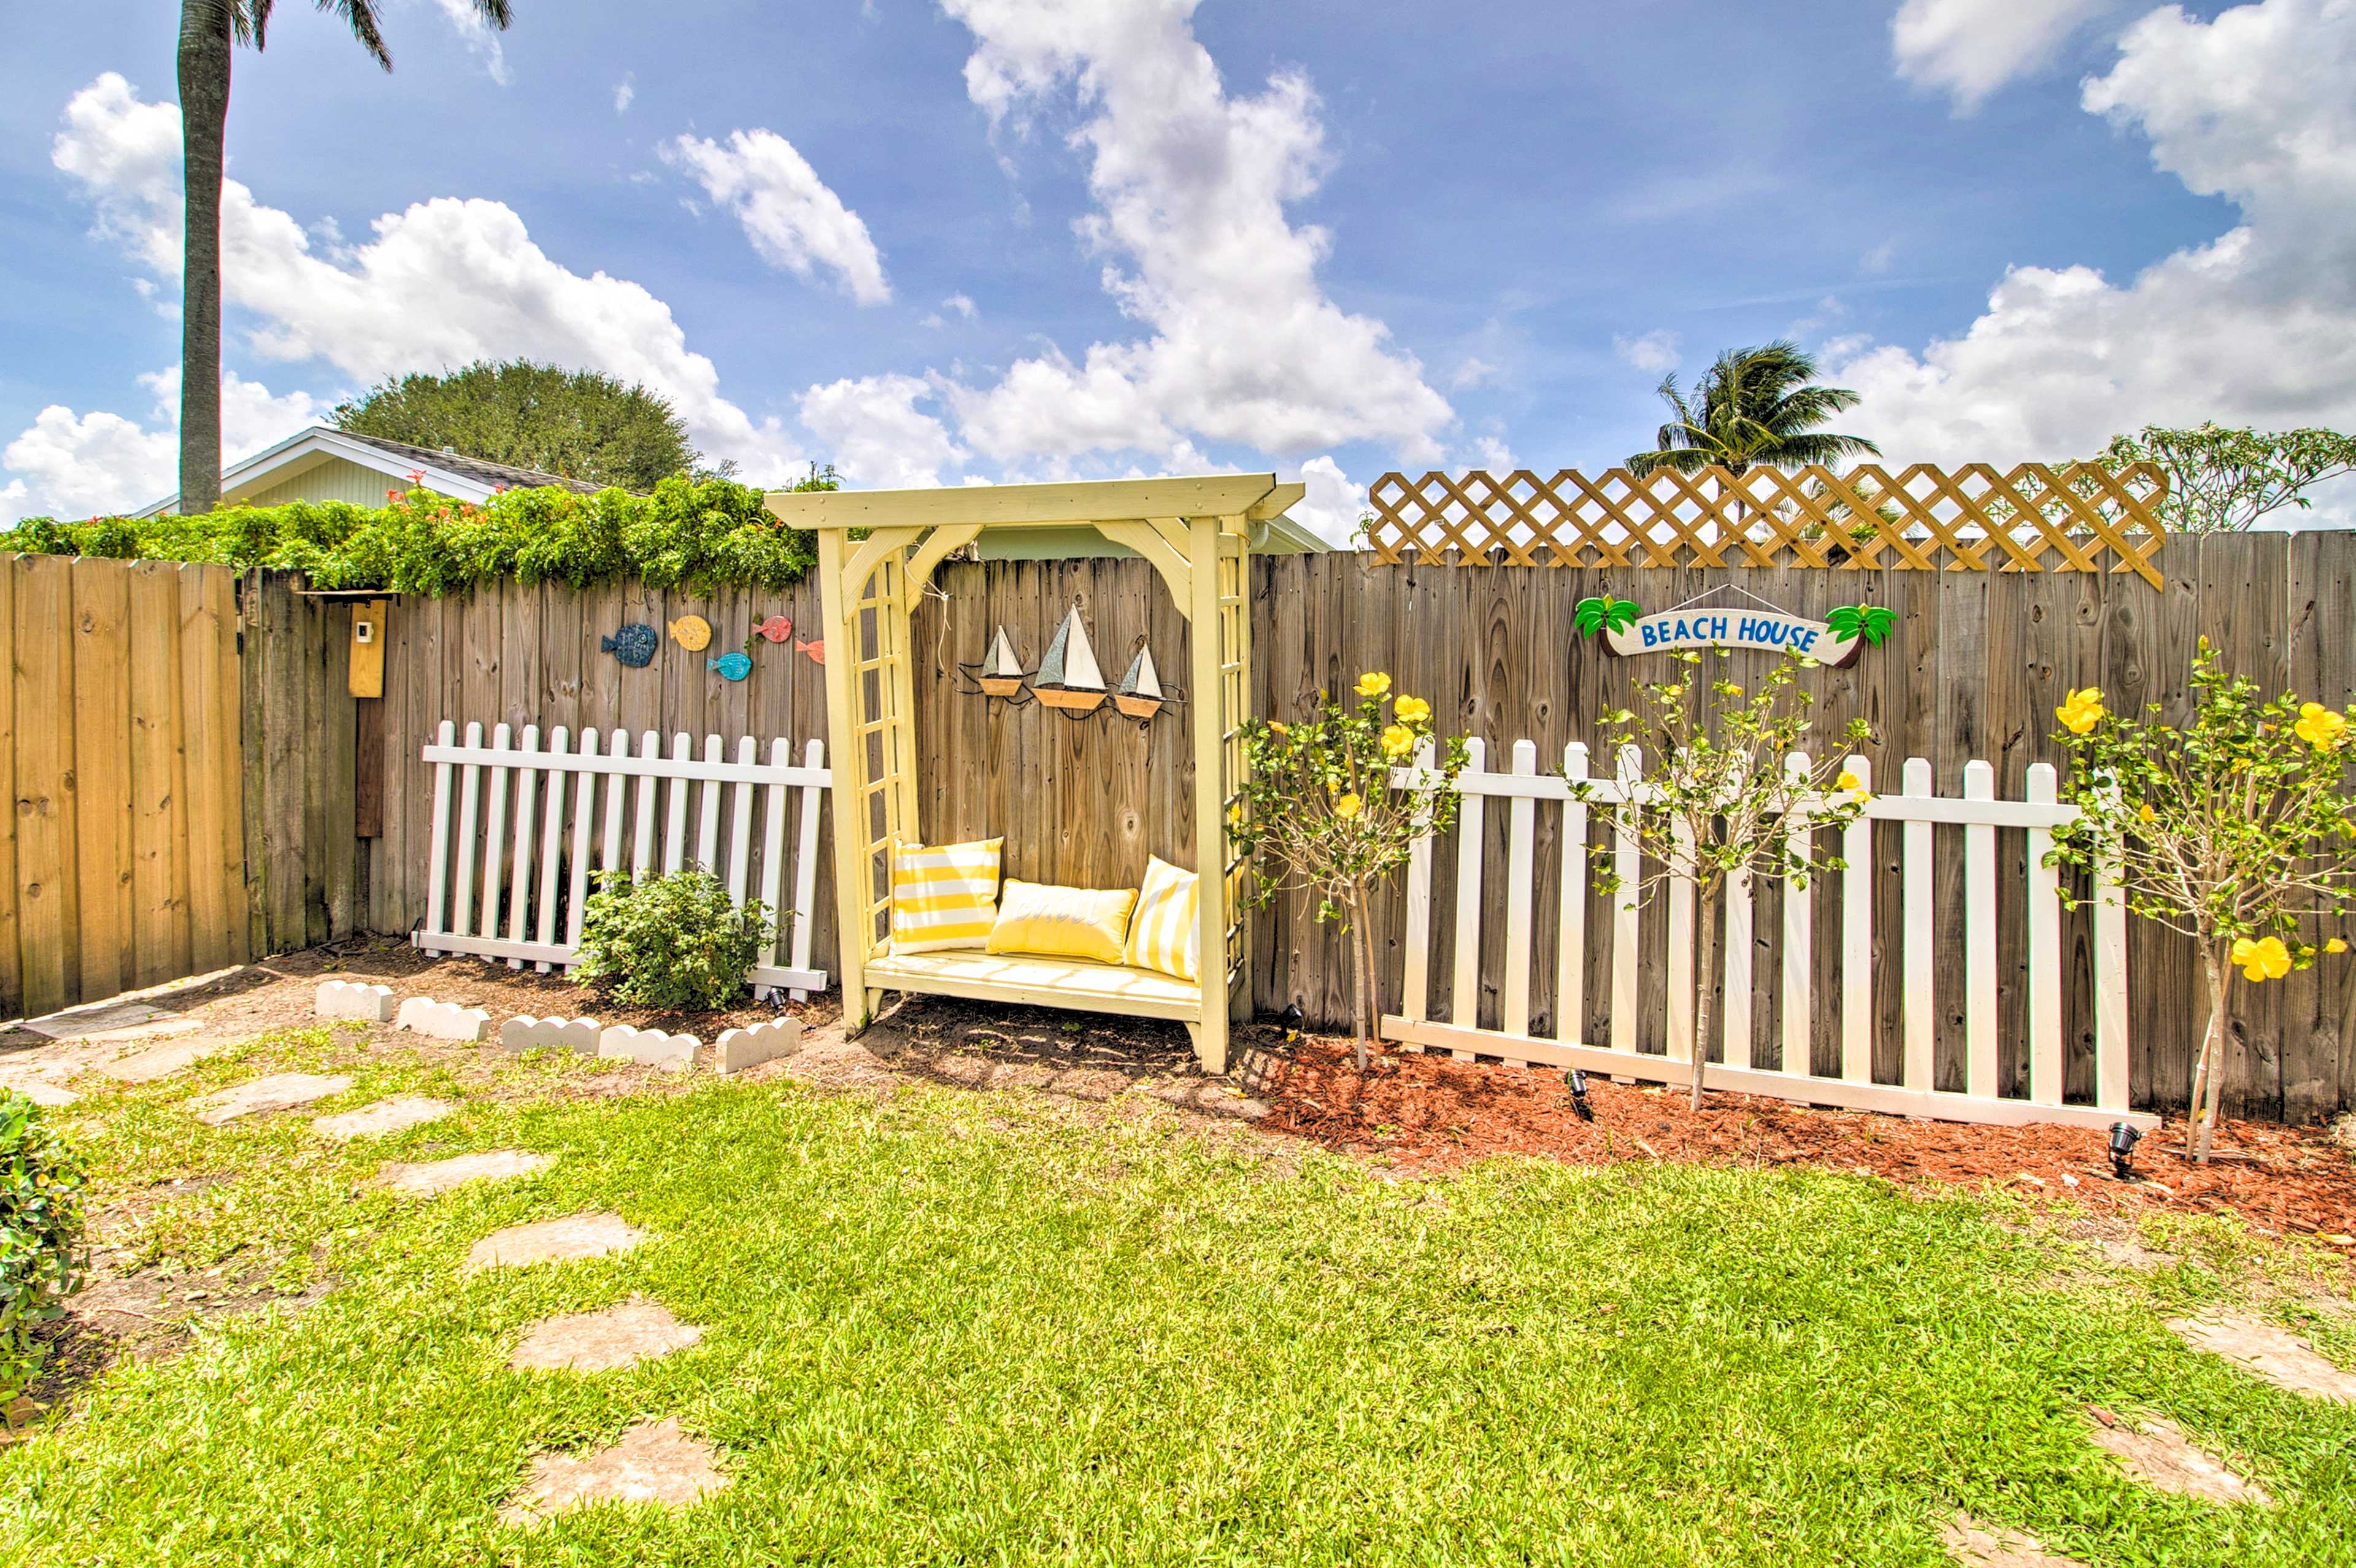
(623, 1335)
(279, 1091)
(1977, 1545)
(555, 1240)
(81, 1023)
(161, 1062)
(441, 1175)
(2161, 1456)
(44, 1094)
(2271, 1351)
(384, 1116)
(655, 1462)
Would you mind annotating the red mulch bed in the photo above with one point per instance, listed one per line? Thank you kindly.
(1434, 1112)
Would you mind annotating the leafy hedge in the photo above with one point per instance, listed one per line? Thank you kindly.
(714, 534)
(40, 1232)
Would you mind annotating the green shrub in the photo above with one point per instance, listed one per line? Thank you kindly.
(701, 536)
(40, 1230)
(671, 942)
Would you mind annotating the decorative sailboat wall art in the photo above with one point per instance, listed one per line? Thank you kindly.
(1000, 673)
(1140, 696)
(1067, 677)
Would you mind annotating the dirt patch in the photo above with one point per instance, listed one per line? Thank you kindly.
(1433, 1111)
(150, 1315)
(1977, 1545)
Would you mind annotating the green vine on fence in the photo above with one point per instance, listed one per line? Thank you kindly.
(701, 536)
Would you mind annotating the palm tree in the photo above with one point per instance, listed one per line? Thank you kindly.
(1753, 406)
(209, 30)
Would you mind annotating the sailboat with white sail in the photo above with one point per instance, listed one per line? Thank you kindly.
(1068, 677)
(1139, 693)
(1000, 674)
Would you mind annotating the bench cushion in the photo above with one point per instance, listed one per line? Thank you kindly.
(1041, 982)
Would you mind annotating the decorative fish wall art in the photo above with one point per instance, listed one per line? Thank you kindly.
(633, 646)
(732, 665)
(692, 633)
(777, 628)
(815, 650)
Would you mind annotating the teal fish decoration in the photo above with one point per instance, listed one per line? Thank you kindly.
(633, 644)
(733, 666)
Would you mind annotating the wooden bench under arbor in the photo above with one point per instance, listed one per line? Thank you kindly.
(1196, 533)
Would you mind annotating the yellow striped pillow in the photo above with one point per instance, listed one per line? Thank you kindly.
(1063, 922)
(1166, 936)
(944, 896)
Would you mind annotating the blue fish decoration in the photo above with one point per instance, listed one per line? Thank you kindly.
(733, 666)
(633, 644)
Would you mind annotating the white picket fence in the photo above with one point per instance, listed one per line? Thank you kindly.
(504, 782)
(1978, 812)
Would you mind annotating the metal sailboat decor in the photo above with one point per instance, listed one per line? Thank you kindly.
(1067, 677)
(1000, 673)
(1140, 694)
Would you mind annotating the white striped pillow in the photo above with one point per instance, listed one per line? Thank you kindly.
(944, 896)
(1164, 934)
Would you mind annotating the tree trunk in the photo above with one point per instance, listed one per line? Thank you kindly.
(2209, 1072)
(1704, 966)
(204, 120)
(1362, 990)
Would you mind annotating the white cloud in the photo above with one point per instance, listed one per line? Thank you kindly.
(625, 92)
(446, 282)
(879, 438)
(1969, 49)
(2259, 325)
(482, 40)
(1192, 185)
(69, 465)
(1653, 352)
(1473, 372)
(1333, 506)
(1494, 454)
(959, 305)
(1880, 259)
(793, 219)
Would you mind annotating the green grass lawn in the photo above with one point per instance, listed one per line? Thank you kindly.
(952, 1327)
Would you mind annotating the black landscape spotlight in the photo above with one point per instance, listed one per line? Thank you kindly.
(1577, 1079)
(2123, 1141)
(1291, 1020)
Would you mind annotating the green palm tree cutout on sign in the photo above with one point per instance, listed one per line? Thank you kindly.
(1593, 615)
(1869, 623)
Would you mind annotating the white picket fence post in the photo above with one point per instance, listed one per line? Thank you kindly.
(455, 923)
(1916, 811)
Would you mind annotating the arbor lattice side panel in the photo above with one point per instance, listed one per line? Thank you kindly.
(2032, 518)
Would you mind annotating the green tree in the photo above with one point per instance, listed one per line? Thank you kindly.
(210, 30)
(577, 424)
(1752, 406)
(1723, 784)
(2224, 481)
(2235, 829)
(1320, 811)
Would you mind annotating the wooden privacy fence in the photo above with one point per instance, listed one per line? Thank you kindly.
(1843, 1018)
(2032, 517)
(126, 861)
(535, 862)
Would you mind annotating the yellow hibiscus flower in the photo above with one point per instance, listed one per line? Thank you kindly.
(1398, 741)
(1848, 780)
(2265, 959)
(2335, 946)
(1349, 806)
(2081, 710)
(2321, 728)
(1411, 710)
(1373, 683)
(2144, 812)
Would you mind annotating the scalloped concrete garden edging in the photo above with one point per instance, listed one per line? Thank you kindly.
(524, 1032)
(649, 1047)
(347, 999)
(442, 1020)
(739, 1049)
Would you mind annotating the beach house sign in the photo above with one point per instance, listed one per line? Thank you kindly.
(1759, 626)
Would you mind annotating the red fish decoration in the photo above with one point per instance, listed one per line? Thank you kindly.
(815, 650)
(777, 628)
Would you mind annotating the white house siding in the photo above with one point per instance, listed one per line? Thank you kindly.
(336, 479)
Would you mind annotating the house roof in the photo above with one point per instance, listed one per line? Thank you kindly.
(446, 472)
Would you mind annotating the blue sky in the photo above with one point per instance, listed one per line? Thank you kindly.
(1023, 239)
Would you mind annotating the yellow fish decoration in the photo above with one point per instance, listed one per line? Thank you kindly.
(692, 633)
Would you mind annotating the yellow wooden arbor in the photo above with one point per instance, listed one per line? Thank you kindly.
(1195, 533)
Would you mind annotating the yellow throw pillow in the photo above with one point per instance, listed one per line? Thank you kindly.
(1166, 936)
(944, 896)
(1062, 923)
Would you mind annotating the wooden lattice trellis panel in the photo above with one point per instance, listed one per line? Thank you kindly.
(2032, 517)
